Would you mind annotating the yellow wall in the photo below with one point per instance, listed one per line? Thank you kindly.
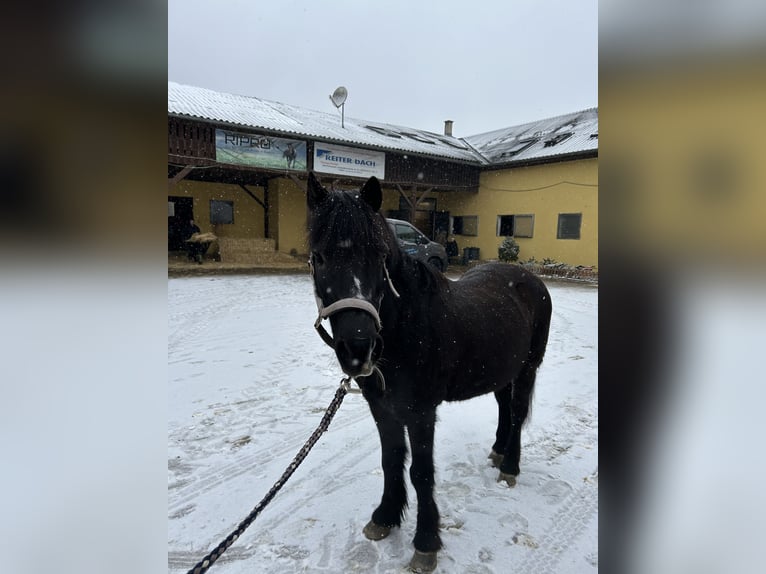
(288, 208)
(543, 190)
(248, 214)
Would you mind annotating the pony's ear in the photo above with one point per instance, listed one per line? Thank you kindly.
(315, 193)
(372, 193)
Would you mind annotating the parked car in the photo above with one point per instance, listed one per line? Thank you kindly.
(417, 245)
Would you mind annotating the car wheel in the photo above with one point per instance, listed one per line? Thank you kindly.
(436, 262)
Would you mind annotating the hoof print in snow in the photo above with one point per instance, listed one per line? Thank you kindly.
(555, 491)
(524, 540)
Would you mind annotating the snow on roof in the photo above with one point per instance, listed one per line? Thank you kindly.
(562, 135)
(559, 136)
(252, 112)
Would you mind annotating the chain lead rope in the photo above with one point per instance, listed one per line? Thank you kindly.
(203, 565)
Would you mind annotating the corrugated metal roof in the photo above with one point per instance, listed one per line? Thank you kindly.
(252, 112)
(563, 135)
(539, 140)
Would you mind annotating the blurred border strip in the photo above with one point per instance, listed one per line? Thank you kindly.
(83, 286)
(682, 87)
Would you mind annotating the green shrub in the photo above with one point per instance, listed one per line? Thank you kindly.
(508, 250)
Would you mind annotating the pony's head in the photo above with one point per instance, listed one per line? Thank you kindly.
(349, 243)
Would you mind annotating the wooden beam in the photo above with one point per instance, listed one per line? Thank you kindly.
(303, 185)
(264, 204)
(179, 176)
(423, 195)
(404, 195)
(251, 194)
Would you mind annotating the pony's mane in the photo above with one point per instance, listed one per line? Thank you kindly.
(423, 277)
(343, 219)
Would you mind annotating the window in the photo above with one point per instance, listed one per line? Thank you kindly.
(515, 225)
(417, 137)
(221, 211)
(557, 139)
(465, 225)
(518, 147)
(384, 131)
(407, 234)
(569, 226)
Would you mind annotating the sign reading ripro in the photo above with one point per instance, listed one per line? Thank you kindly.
(259, 150)
(331, 158)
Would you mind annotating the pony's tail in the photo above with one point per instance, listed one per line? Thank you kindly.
(541, 322)
(540, 329)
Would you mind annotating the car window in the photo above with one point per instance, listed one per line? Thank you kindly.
(407, 234)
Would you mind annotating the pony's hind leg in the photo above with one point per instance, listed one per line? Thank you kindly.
(519, 409)
(503, 397)
(393, 455)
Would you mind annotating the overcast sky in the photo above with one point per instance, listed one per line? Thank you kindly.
(483, 64)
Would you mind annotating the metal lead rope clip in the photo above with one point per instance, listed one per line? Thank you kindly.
(345, 383)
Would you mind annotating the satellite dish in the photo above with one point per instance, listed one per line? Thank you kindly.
(339, 96)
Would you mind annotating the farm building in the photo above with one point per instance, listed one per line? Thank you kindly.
(237, 165)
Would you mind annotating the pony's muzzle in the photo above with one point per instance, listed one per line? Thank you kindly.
(358, 355)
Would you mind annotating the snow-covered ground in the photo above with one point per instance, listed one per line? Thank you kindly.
(249, 380)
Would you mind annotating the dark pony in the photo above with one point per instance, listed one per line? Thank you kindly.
(412, 339)
(290, 154)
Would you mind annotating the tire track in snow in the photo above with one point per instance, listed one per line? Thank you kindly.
(253, 462)
(336, 468)
(565, 527)
(182, 560)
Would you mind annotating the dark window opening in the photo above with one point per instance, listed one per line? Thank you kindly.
(505, 225)
(221, 212)
(518, 147)
(515, 225)
(465, 225)
(557, 139)
(569, 226)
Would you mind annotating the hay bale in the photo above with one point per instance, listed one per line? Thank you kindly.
(202, 237)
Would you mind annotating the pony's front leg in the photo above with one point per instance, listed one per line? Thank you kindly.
(427, 540)
(393, 455)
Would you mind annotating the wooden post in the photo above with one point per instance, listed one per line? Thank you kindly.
(266, 209)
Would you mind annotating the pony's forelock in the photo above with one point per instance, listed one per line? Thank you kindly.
(344, 220)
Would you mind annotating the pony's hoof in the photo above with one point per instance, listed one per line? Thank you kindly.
(423, 562)
(496, 458)
(376, 532)
(509, 479)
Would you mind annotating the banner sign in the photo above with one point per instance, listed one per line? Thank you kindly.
(259, 151)
(331, 158)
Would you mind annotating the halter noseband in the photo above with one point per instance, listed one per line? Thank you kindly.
(347, 303)
(340, 305)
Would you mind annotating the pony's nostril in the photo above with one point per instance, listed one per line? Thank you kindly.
(354, 353)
